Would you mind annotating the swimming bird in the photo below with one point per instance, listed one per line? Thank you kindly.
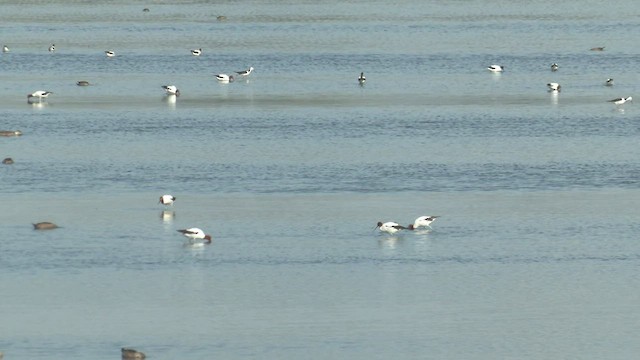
(609, 82)
(131, 354)
(110, 53)
(599, 48)
(553, 86)
(7, 161)
(362, 79)
(423, 221)
(554, 67)
(167, 199)
(196, 52)
(496, 68)
(224, 78)
(52, 48)
(145, 10)
(5, 48)
(221, 18)
(10, 133)
(621, 100)
(83, 83)
(389, 227)
(45, 225)
(171, 90)
(40, 94)
(245, 72)
(196, 234)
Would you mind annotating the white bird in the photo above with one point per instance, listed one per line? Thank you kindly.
(167, 199)
(196, 52)
(245, 72)
(110, 53)
(40, 94)
(609, 82)
(621, 100)
(362, 79)
(423, 221)
(554, 67)
(554, 86)
(224, 78)
(171, 90)
(389, 227)
(52, 48)
(5, 48)
(496, 68)
(196, 234)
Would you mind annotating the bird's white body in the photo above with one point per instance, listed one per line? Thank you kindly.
(554, 67)
(245, 72)
(390, 227)
(553, 86)
(110, 53)
(609, 82)
(196, 52)
(40, 94)
(496, 68)
(171, 89)
(52, 48)
(621, 100)
(423, 221)
(167, 199)
(5, 48)
(196, 234)
(224, 78)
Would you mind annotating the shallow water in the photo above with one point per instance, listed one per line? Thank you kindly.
(289, 170)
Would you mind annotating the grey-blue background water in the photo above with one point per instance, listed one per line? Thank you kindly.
(535, 255)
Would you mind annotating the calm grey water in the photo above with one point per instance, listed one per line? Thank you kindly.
(535, 255)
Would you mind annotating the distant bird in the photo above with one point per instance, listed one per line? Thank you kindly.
(423, 221)
(362, 79)
(389, 227)
(621, 100)
(554, 67)
(196, 52)
(145, 10)
(245, 72)
(131, 354)
(195, 235)
(224, 78)
(10, 133)
(110, 53)
(83, 83)
(171, 90)
(599, 48)
(7, 161)
(45, 225)
(52, 48)
(5, 48)
(496, 68)
(221, 18)
(553, 86)
(40, 94)
(167, 199)
(609, 82)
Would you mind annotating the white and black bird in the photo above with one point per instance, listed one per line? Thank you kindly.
(389, 227)
(245, 72)
(196, 236)
(196, 52)
(423, 221)
(171, 90)
(496, 68)
(5, 48)
(608, 82)
(554, 67)
(621, 100)
(52, 48)
(40, 94)
(224, 78)
(110, 53)
(167, 199)
(554, 86)
(362, 79)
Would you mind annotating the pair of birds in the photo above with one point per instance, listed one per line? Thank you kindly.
(225, 79)
(391, 227)
(196, 236)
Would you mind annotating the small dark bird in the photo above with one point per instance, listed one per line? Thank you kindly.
(7, 161)
(45, 225)
(131, 354)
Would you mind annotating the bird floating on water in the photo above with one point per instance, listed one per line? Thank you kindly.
(10, 133)
(110, 53)
(167, 199)
(196, 52)
(496, 68)
(131, 354)
(224, 78)
(389, 227)
(599, 48)
(171, 90)
(362, 79)
(5, 48)
(554, 67)
(196, 236)
(40, 94)
(553, 86)
(83, 83)
(245, 72)
(52, 48)
(423, 221)
(7, 161)
(609, 82)
(621, 100)
(45, 225)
